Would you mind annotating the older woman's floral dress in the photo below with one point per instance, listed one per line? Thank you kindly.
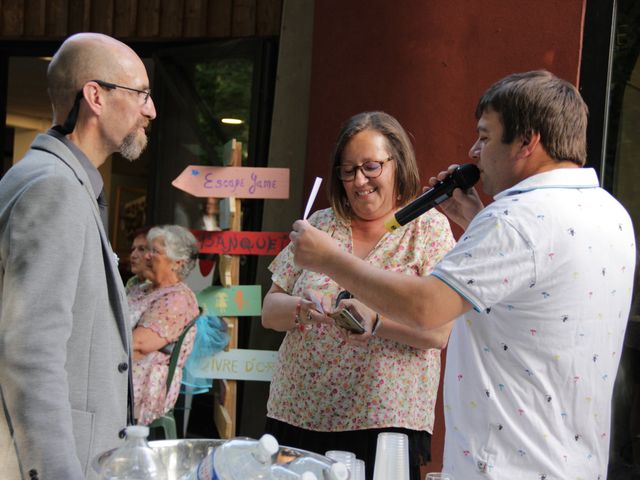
(166, 311)
(322, 383)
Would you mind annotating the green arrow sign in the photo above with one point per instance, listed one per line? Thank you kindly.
(238, 301)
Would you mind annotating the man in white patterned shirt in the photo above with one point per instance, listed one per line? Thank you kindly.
(539, 286)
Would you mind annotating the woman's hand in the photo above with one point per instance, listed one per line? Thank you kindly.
(314, 308)
(310, 315)
(145, 341)
(364, 315)
(283, 312)
(391, 330)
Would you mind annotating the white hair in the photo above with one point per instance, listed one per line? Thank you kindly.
(180, 244)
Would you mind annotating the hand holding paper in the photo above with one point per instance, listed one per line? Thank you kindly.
(316, 301)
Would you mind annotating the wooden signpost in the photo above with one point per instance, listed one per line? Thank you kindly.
(231, 300)
(224, 408)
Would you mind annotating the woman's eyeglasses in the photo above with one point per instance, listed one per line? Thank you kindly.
(370, 169)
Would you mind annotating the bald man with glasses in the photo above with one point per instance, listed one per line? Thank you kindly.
(64, 335)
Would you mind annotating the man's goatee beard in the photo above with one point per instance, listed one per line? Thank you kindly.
(131, 147)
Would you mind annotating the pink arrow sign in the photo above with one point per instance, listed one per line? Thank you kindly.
(239, 182)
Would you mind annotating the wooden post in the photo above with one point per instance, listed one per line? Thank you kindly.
(224, 412)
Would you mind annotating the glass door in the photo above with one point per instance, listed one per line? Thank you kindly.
(621, 176)
(207, 95)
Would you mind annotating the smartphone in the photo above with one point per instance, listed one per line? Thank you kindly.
(345, 319)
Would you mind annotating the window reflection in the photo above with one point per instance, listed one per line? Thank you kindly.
(623, 175)
(224, 86)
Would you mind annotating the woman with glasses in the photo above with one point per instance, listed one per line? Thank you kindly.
(334, 390)
(137, 258)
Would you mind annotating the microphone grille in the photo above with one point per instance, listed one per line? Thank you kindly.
(465, 176)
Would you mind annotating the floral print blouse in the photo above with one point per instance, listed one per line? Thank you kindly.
(166, 311)
(323, 384)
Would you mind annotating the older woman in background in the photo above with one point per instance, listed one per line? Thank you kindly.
(328, 394)
(160, 310)
(137, 258)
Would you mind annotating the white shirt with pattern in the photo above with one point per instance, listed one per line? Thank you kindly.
(549, 270)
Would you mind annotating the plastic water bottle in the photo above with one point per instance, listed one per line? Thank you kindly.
(308, 476)
(239, 459)
(281, 472)
(337, 470)
(135, 459)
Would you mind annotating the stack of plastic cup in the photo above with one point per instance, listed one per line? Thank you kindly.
(348, 458)
(358, 472)
(392, 457)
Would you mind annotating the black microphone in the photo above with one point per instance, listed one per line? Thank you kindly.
(464, 177)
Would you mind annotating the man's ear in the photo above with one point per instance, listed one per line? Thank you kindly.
(93, 96)
(529, 142)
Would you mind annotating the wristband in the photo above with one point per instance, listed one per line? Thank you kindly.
(376, 324)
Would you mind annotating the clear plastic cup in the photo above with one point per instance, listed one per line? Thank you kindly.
(392, 457)
(348, 458)
(358, 470)
(438, 476)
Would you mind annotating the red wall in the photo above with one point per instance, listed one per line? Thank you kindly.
(426, 62)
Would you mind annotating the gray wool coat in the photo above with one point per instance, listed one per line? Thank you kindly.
(64, 339)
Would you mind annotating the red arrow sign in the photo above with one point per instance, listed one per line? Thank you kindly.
(241, 243)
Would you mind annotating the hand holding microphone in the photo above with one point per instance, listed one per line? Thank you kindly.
(463, 177)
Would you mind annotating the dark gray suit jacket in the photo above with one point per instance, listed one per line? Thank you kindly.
(64, 336)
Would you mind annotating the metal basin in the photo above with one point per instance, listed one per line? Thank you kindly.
(181, 457)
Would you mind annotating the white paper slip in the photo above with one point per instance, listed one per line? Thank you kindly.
(316, 302)
(312, 197)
